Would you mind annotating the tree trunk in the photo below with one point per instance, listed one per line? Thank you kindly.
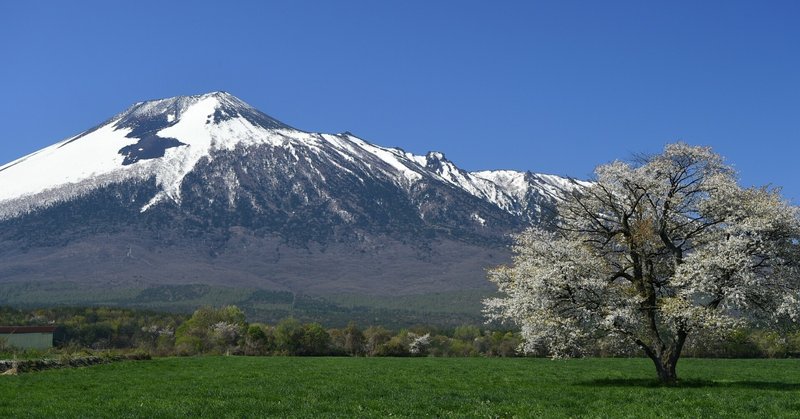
(666, 360)
(666, 370)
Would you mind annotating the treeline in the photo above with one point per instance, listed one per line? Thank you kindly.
(225, 330)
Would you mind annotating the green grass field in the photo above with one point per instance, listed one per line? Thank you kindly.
(413, 387)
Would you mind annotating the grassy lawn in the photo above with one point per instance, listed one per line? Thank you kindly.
(378, 387)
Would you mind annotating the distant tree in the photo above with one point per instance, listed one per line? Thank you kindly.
(211, 329)
(397, 345)
(376, 337)
(225, 334)
(354, 340)
(315, 341)
(289, 336)
(258, 340)
(466, 333)
(419, 344)
(501, 344)
(155, 337)
(652, 252)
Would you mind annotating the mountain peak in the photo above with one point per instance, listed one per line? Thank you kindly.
(181, 103)
(146, 118)
(217, 94)
(220, 93)
(226, 99)
(168, 136)
(435, 156)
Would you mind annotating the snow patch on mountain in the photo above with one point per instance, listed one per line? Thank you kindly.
(512, 182)
(474, 185)
(521, 184)
(65, 163)
(393, 157)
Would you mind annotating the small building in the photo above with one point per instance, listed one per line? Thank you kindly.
(27, 337)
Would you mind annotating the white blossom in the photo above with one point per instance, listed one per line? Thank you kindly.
(419, 344)
(226, 332)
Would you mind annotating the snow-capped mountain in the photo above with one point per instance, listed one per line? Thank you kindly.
(206, 186)
(167, 138)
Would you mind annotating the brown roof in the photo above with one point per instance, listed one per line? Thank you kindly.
(27, 329)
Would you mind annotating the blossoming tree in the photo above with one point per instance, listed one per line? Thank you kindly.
(652, 252)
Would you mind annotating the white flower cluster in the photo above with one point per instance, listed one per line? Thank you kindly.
(156, 330)
(419, 344)
(226, 332)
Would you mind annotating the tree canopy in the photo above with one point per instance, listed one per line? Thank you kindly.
(652, 252)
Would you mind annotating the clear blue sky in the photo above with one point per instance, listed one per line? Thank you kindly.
(554, 87)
